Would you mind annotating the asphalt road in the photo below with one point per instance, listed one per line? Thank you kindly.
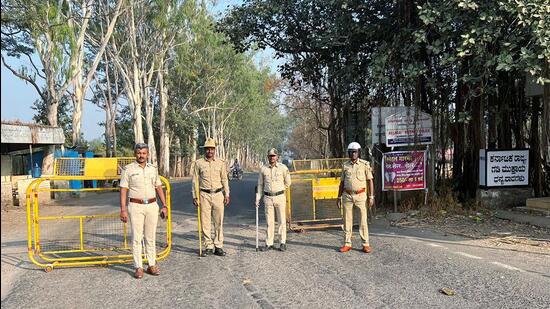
(407, 269)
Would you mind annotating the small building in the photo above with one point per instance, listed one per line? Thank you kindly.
(22, 148)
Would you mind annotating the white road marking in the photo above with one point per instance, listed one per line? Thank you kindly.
(456, 252)
(507, 266)
(468, 255)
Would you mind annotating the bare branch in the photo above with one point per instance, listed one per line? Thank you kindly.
(26, 78)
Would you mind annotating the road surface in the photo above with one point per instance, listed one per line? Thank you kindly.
(407, 269)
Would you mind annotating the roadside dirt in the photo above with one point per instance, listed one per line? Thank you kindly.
(486, 229)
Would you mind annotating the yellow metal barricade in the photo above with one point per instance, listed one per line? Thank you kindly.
(311, 200)
(97, 237)
(318, 164)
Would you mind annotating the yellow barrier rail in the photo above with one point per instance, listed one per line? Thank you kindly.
(90, 239)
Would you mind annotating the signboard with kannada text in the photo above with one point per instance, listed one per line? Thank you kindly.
(503, 168)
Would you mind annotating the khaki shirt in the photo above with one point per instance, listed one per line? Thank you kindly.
(211, 175)
(140, 181)
(272, 179)
(355, 175)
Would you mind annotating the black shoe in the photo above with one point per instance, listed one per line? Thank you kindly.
(219, 252)
(208, 252)
(282, 247)
(266, 248)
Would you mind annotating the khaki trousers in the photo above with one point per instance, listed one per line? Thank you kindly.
(212, 206)
(275, 204)
(144, 219)
(359, 201)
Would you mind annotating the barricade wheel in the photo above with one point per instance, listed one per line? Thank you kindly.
(48, 269)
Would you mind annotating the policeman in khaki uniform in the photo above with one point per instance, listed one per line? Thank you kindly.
(210, 177)
(356, 188)
(140, 182)
(273, 180)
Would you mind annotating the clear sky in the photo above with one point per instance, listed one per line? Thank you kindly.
(17, 96)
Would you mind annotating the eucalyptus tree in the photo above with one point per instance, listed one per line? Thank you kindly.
(220, 93)
(79, 16)
(132, 50)
(172, 24)
(34, 29)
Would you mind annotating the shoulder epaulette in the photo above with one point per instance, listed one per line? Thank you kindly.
(367, 163)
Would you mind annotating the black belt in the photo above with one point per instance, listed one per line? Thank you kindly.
(274, 193)
(212, 191)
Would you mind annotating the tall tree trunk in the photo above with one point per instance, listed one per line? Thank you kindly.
(518, 110)
(459, 136)
(135, 108)
(108, 98)
(505, 96)
(48, 160)
(193, 141)
(108, 133)
(115, 141)
(77, 112)
(535, 162)
(178, 158)
(545, 143)
(492, 122)
(149, 110)
(164, 157)
(471, 164)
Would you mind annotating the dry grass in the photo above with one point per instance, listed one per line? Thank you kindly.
(438, 204)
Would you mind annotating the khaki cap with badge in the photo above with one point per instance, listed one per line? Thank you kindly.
(209, 143)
